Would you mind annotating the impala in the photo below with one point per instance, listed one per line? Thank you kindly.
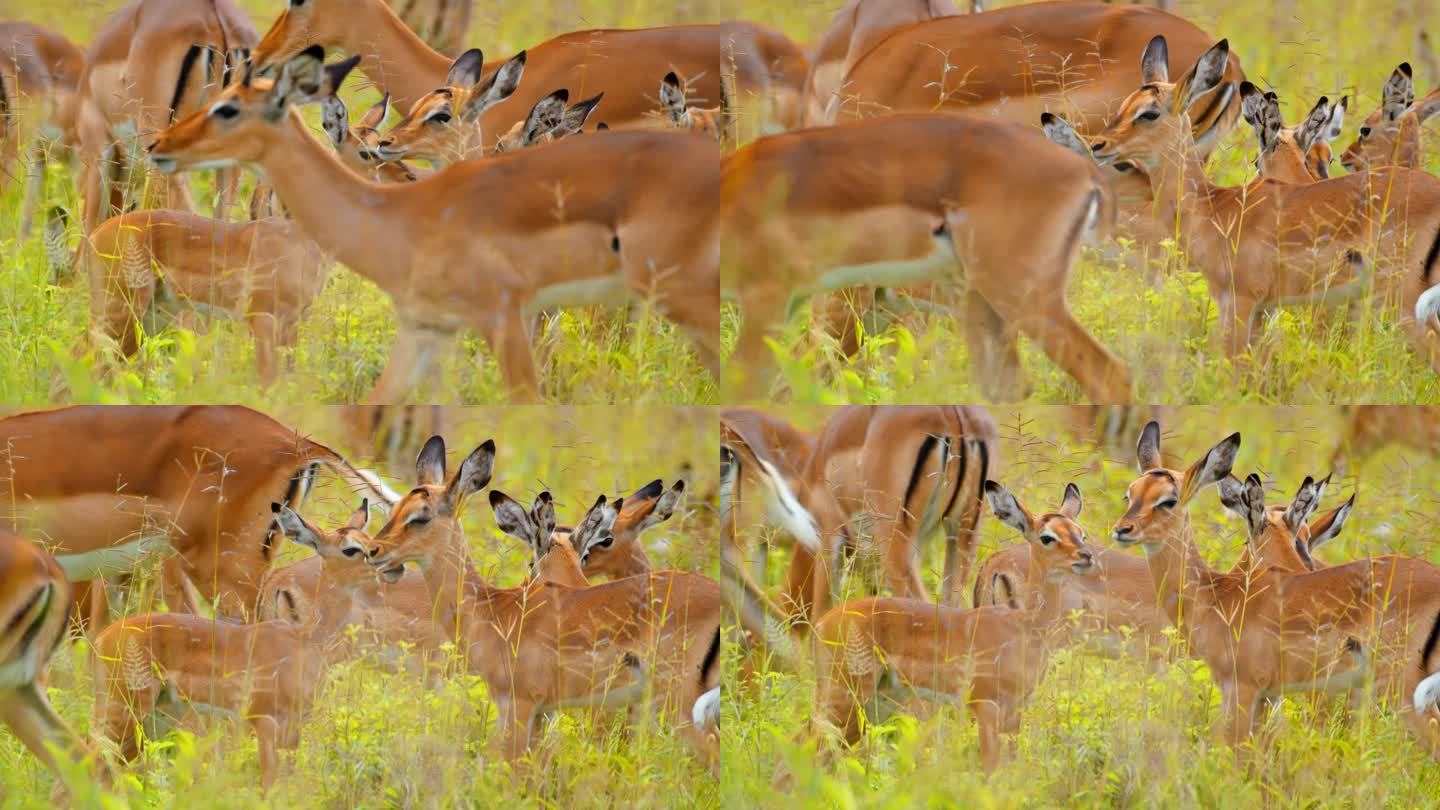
(357, 144)
(1284, 537)
(39, 75)
(35, 591)
(153, 60)
(680, 114)
(1298, 154)
(821, 210)
(442, 24)
(541, 647)
(201, 476)
(447, 260)
(1368, 428)
(266, 674)
(1017, 62)
(620, 63)
(989, 659)
(557, 556)
(1272, 243)
(1270, 632)
(1390, 136)
(854, 30)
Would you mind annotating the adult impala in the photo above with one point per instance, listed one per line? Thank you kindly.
(1270, 243)
(584, 221)
(623, 64)
(151, 61)
(1014, 63)
(39, 76)
(820, 210)
(541, 647)
(201, 476)
(989, 659)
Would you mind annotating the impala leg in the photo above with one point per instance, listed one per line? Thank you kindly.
(799, 582)
(987, 720)
(902, 569)
(411, 355)
(699, 315)
(264, 329)
(30, 716)
(175, 587)
(834, 314)
(995, 349)
(1237, 712)
(513, 727)
(267, 733)
(762, 308)
(506, 332)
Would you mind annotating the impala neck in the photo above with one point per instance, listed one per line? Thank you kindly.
(1183, 193)
(392, 55)
(452, 579)
(1178, 571)
(1045, 611)
(348, 217)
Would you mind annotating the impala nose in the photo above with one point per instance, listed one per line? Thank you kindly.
(1125, 533)
(1097, 146)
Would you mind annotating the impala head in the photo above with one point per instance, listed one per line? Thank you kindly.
(306, 24)
(1157, 500)
(425, 523)
(677, 110)
(1390, 136)
(549, 120)
(535, 527)
(445, 122)
(621, 554)
(349, 543)
(356, 144)
(247, 117)
(1284, 535)
(1164, 117)
(1129, 180)
(1057, 542)
(1299, 154)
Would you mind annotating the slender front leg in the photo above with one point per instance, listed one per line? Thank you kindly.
(29, 714)
(507, 333)
(267, 732)
(513, 726)
(411, 355)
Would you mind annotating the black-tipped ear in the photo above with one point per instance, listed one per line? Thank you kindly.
(1306, 499)
(473, 475)
(1059, 131)
(301, 79)
(467, 69)
(1071, 504)
(1327, 527)
(544, 512)
(1155, 62)
(1212, 467)
(578, 113)
(430, 464)
(1147, 450)
(1008, 510)
(513, 519)
(499, 86)
(1252, 505)
(336, 74)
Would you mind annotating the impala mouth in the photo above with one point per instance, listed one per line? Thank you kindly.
(388, 155)
(1082, 566)
(165, 165)
(392, 575)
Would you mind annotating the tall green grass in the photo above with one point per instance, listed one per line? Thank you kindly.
(1107, 733)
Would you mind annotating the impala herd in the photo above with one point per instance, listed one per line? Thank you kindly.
(1280, 621)
(220, 488)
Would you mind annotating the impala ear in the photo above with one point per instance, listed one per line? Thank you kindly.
(335, 120)
(1252, 505)
(1206, 75)
(1335, 121)
(300, 80)
(336, 74)
(513, 519)
(473, 475)
(578, 114)
(545, 116)
(1071, 505)
(1262, 112)
(499, 86)
(360, 517)
(1302, 505)
(543, 511)
(1398, 93)
(295, 527)
(1008, 510)
(1232, 495)
(1312, 130)
(596, 527)
(1155, 62)
(376, 115)
(1327, 527)
(672, 96)
(664, 506)
(1058, 130)
(1211, 468)
(1147, 451)
(467, 69)
(430, 464)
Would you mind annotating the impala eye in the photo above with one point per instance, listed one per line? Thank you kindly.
(608, 541)
(350, 551)
(418, 520)
(1048, 539)
(1166, 503)
(224, 112)
(1148, 115)
(439, 119)
(1364, 132)
(1123, 166)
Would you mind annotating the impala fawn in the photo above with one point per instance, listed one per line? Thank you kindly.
(266, 674)
(541, 647)
(1390, 136)
(989, 659)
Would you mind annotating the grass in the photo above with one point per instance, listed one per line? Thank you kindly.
(1106, 733)
(381, 739)
(1301, 48)
(584, 356)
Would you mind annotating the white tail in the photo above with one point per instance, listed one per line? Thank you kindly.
(1427, 694)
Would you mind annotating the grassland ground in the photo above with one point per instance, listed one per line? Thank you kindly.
(1151, 308)
(588, 356)
(1105, 732)
(379, 737)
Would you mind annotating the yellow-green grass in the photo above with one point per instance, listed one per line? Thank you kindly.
(1103, 732)
(583, 356)
(1160, 320)
(380, 738)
